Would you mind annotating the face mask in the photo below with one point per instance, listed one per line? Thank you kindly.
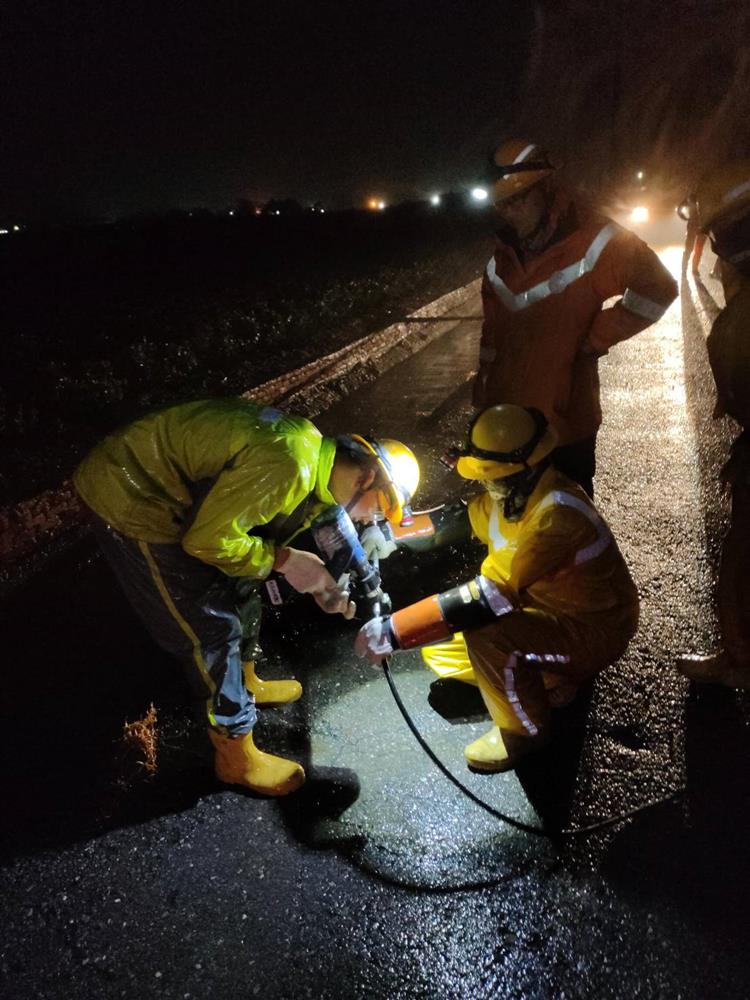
(498, 489)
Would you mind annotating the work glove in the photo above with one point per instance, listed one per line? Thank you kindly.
(306, 573)
(378, 542)
(375, 640)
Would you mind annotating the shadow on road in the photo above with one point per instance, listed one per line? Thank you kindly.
(82, 665)
(548, 778)
(694, 853)
(79, 666)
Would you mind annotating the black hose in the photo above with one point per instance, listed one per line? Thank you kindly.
(537, 831)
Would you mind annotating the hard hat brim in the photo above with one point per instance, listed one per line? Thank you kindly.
(507, 187)
(471, 467)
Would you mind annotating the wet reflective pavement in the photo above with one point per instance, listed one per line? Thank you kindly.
(379, 879)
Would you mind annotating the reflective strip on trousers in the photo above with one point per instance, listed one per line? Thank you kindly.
(167, 598)
(509, 676)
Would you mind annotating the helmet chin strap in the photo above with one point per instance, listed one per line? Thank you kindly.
(514, 491)
(357, 496)
(349, 507)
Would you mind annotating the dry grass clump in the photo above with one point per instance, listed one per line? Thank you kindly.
(141, 737)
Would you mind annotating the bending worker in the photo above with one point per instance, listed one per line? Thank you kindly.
(193, 506)
(556, 262)
(554, 602)
(723, 200)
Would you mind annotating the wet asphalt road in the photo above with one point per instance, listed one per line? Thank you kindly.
(379, 879)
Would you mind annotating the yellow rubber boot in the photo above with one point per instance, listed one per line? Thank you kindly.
(239, 762)
(270, 692)
(495, 752)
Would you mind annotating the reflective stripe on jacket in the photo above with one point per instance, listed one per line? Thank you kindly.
(206, 474)
(560, 557)
(539, 314)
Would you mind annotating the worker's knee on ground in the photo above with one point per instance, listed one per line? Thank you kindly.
(450, 659)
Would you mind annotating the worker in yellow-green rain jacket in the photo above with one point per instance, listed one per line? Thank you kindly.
(196, 504)
(554, 602)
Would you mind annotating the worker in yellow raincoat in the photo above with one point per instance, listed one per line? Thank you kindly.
(193, 507)
(723, 201)
(553, 604)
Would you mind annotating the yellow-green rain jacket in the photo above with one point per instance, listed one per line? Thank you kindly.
(560, 557)
(222, 477)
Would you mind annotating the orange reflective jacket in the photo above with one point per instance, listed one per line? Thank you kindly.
(544, 325)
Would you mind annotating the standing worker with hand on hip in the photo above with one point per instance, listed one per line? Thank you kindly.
(553, 605)
(556, 262)
(194, 506)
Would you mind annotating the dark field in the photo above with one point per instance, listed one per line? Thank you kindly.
(107, 322)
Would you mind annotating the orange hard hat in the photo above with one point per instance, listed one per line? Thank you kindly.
(517, 165)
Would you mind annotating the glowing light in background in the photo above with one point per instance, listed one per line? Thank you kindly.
(639, 214)
(435, 199)
(671, 258)
(479, 194)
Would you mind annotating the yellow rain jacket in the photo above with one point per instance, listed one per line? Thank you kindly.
(222, 477)
(560, 557)
(562, 569)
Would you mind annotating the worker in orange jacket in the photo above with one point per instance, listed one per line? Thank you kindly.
(695, 238)
(555, 264)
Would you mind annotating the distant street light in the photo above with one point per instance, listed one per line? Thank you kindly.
(479, 194)
(435, 199)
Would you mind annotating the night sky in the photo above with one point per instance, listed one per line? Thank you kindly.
(111, 107)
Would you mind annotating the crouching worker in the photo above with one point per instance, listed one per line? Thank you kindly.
(193, 507)
(554, 602)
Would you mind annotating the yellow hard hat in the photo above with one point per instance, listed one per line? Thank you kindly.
(723, 195)
(398, 470)
(505, 439)
(517, 165)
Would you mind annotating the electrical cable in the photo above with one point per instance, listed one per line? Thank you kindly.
(518, 824)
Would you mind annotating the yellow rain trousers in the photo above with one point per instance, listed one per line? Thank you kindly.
(577, 606)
